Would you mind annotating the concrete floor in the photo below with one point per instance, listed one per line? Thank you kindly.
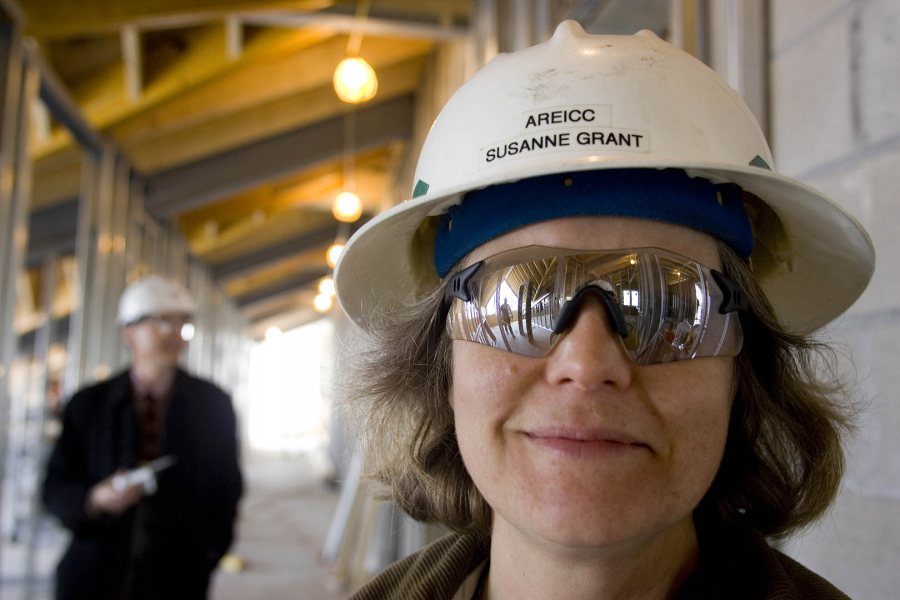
(285, 515)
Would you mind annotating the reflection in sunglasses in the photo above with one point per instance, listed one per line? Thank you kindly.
(664, 306)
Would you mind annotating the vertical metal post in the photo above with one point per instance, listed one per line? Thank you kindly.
(112, 355)
(194, 349)
(678, 27)
(689, 27)
(487, 44)
(544, 20)
(133, 60)
(738, 50)
(99, 328)
(521, 19)
(37, 410)
(85, 250)
(10, 83)
(135, 238)
(20, 89)
(160, 247)
(134, 235)
(178, 256)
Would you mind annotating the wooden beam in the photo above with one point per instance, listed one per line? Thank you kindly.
(234, 37)
(286, 226)
(283, 287)
(159, 149)
(196, 184)
(64, 109)
(286, 313)
(320, 236)
(279, 270)
(56, 19)
(256, 82)
(205, 62)
(262, 210)
(73, 18)
(132, 57)
(56, 178)
(437, 29)
(102, 100)
(275, 311)
(271, 198)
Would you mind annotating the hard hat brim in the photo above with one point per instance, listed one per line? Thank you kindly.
(827, 257)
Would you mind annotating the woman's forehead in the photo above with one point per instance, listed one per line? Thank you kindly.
(606, 233)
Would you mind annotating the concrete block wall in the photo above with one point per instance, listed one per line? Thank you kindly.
(835, 124)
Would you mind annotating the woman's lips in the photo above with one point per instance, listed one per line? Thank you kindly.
(583, 442)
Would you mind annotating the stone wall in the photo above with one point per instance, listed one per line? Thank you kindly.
(835, 124)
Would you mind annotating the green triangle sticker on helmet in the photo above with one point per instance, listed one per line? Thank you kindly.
(420, 190)
(759, 161)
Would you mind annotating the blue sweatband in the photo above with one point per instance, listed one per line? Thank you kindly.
(667, 195)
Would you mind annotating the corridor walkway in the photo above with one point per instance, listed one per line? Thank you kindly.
(285, 515)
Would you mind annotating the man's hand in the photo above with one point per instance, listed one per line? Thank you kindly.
(108, 499)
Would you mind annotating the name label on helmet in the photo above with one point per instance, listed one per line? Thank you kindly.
(566, 128)
(600, 114)
(605, 138)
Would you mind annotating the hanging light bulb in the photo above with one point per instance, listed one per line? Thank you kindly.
(355, 80)
(326, 286)
(347, 207)
(322, 302)
(334, 253)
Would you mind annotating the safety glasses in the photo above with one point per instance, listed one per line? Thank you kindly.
(166, 324)
(664, 306)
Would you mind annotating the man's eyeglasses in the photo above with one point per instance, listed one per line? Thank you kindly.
(166, 324)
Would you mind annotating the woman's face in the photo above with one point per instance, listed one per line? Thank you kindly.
(583, 447)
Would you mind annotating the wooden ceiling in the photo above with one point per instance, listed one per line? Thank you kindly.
(226, 112)
(225, 108)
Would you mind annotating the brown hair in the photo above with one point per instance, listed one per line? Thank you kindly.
(783, 460)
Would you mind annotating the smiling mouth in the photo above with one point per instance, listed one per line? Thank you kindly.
(585, 443)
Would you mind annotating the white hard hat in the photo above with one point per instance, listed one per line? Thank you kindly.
(644, 104)
(154, 295)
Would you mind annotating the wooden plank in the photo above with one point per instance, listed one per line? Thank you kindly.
(56, 178)
(262, 210)
(270, 198)
(159, 149)
(258, 82)
(132, 57)
(307, 247)
(202, 182)
(102, 99)
(284, 286)
(74, 18)
(105, 103)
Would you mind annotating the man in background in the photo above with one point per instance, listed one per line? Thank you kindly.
(146, 470)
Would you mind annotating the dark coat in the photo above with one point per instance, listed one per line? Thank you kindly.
(190, 520)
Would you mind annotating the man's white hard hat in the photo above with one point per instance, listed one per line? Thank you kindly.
(644, 104)
(154, 295)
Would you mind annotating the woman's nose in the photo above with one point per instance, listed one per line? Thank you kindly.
(589, 353)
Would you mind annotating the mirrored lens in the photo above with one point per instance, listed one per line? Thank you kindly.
(669, 303)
